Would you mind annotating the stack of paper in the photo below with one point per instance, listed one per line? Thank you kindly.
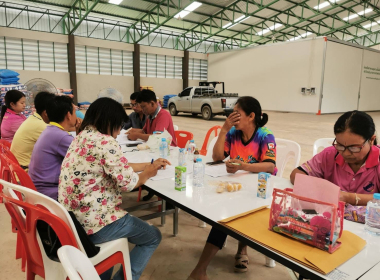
(167, 173)
(122, 138)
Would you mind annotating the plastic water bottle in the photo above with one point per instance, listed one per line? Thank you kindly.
(190, 150)
(372, 215)
(163, 148)
(198, 174)
(181, 157)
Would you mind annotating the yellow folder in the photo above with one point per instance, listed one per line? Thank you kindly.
(254, 225)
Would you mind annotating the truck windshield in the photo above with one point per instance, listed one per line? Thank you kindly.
(204, 91)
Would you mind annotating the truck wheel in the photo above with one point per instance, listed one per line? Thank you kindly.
(207, 113)
(173, 110)
(194, 114)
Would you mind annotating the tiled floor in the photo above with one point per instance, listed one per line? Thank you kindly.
(176, 256)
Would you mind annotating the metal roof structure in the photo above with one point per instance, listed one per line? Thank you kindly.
(216, 25)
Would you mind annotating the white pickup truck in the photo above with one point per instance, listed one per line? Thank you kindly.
(204, 100)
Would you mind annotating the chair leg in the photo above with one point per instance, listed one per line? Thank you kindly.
(1, 191)
(19, 247)
(139, 196)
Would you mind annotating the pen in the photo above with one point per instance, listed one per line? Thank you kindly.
(151, 162)
(235, 163)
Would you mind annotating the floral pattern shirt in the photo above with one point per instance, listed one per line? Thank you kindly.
(93, 175)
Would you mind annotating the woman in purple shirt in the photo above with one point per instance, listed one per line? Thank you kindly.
(11, 117)
(352, 162)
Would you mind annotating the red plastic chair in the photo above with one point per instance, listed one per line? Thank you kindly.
(26, 223)
(4, 167)
(18, 176)
(182, 137)
(5, 143)
(215, 129)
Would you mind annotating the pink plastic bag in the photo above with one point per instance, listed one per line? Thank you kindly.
(319, 225)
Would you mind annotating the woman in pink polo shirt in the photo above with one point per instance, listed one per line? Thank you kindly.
(11, 114)
(352, 162)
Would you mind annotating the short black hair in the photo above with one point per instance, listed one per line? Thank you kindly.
(58, 107)
(42, 101)
(146, 95)
(357, 122)
(106, 115)
(134, 95)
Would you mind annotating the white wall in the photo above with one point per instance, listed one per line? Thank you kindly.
(274, 74)
(163, 86)
(59, 79)
(370, 82)
(342, 78)
(89, 85)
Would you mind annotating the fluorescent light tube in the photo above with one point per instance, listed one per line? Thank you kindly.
(182, 14)
(366, 11)
(277, 25)
(226, 25)
(116, 2)
(238, 19)
(193, 6)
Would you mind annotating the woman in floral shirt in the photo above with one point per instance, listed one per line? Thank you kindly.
(94, 174)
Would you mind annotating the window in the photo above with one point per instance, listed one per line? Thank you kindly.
(101, 61)
(160, 66)
(186, 92)
(203, 91)
(198, 69)
(35, 55)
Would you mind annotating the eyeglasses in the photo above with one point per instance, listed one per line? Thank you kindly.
(352, 149)
(134, 104)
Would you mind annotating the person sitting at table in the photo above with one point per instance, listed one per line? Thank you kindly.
(158, 119)
(30, 130)
(51, 147)
(353, 160)
(11, 117)
(251, 147)
(95, 173)
(137, 118)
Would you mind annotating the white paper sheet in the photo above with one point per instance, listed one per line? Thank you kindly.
(122, 138)
(167, 173)
(139, 157)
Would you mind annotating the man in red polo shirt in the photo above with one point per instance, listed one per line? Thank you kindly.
(158, 119)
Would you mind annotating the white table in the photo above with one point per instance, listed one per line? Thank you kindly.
(212, 207)
(373, 274)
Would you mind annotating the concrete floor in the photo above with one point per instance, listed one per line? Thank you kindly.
(177, 256)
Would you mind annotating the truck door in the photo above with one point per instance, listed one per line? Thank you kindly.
(184, 101)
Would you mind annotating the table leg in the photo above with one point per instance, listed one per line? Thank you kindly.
(175, 221)
(163, 209)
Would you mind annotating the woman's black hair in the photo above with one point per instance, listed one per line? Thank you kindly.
(12, 96)
(250, 105)
(357, 122)
(106, 115)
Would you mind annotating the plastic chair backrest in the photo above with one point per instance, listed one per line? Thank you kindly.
(322, 142)
(5, 172)
(211, 147)
(20, 177)
(36, 198)
(175, 127)
(182, 137)
(76, 264)
(26, 225)
(285, 151)
(5, 143)
(214, 129)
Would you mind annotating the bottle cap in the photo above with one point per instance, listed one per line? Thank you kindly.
(191, 141)
(163, 139)
(376, 195)
(199, 160)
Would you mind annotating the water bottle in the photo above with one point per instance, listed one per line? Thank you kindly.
(163, 148)
(181, 157)
(372, 215)
(198, 174)
(190, 150)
